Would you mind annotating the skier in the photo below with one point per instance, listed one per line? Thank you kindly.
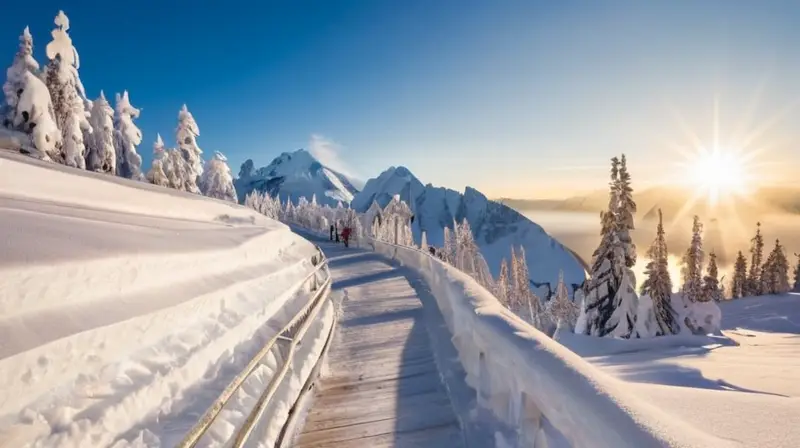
(346, 236)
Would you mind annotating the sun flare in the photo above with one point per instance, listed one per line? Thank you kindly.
(719, 173)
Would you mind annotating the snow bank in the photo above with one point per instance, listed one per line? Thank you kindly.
(532, 382)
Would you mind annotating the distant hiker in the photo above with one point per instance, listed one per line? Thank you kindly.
(336, 232)
(412, 219)
(346, 236)
(432, 250)
(332, 230)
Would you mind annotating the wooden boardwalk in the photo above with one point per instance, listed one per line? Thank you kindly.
(383, 388)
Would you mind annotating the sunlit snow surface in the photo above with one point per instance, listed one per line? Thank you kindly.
(744, 386)
(125, 307)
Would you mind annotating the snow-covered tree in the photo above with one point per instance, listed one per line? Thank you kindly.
(450, 245)
(217, 180)
(658, 284)
(711, 286)
(796, 285)
(501, 286)
(753, 285)
(610, 298)
(66, 92)
(692, 264)
(739, 281)
(101, 155)
(35, 116)
(423, 244)
(126, 138)
(156, 175)
(625, 210)
(186, 134)
(775, 273)
(469, 258)
(522, 300)
(16, 79)
(563, 311)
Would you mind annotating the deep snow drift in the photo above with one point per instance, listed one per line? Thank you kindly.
(742, 386)
(496, 227)
(122, 302)
(294, 175)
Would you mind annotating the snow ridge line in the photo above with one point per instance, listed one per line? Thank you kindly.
(127, 389)
(85, 281)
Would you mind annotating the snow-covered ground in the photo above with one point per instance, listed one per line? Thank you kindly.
(125, 307)
(744, 386)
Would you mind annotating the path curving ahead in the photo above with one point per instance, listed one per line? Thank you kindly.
(383, 388)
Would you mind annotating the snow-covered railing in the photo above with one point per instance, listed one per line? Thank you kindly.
(547, 393)
(280, 348)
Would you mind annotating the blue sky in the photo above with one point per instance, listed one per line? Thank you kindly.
(516, 98)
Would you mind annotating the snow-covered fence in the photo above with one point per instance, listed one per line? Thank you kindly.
(293, 364)
(532, 383)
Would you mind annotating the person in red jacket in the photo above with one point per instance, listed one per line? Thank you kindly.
(346, 236)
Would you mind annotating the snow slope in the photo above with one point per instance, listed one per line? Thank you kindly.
(122, 302)
(496, 226)
(741, 387)
(293, 175)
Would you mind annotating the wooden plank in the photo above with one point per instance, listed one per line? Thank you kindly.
(383, 389)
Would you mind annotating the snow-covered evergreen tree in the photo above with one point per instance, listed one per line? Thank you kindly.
(610, 297)
(796, 285)
(692, 264)
(525, 302)
(501, 286)
(469, 258)
(35, 116)
(711, 286)
(66, 92)
(156, 175)
(16, 79)
(739, 281)
(217, 180)
(775, 273)
(101, 155)
(186, 134)
(753, 285)
(449, 249)
(563, 312)
(625, 211)
(658, 284)
(423, 244)
(126, 138)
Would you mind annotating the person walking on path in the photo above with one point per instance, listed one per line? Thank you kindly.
(332, 230)
(336, 232)
(346, 236)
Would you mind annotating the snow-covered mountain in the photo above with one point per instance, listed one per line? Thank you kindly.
(295, 174)
(496, 226)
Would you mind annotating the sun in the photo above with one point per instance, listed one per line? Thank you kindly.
(719, 174)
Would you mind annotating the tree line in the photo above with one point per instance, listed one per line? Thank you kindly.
(50, 110)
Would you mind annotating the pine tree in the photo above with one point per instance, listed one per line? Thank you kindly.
(126, 138)
(501, 290)
(692, 264)
(101, 155)
(423, 244)
(796, 286)
(625, 211)
(711, 288)
(186, 134)
(658, 284)
(562, 310)
(610, 298)
(16, 79)
(753, 285)
(157, 175)
(66, 91)
(775, 273)
(739, 281)
(217, 181)
(525, 300)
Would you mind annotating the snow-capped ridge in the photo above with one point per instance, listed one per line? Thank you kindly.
(292, 175)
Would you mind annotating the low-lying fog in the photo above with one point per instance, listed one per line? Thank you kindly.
(580, 231)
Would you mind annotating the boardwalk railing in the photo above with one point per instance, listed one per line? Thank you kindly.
(283, 346)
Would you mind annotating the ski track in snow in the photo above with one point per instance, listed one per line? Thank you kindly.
(125, 309)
